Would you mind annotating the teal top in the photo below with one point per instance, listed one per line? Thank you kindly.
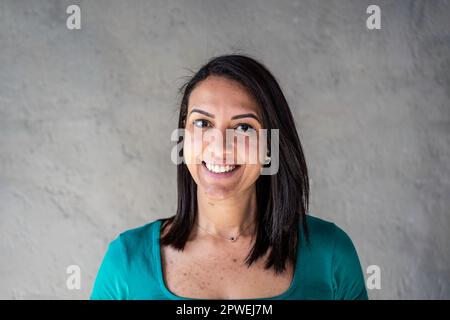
(327, 268)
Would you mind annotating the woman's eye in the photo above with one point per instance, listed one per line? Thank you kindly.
(243, 127)
(200, 123)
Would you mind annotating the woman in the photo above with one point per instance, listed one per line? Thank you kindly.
(237, 233)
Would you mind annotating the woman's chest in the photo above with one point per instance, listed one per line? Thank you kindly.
(207, 275)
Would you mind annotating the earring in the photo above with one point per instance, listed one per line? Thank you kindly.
(267, 160)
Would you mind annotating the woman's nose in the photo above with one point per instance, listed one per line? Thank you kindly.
(220, 146)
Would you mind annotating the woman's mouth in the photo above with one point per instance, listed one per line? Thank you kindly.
(220, 171)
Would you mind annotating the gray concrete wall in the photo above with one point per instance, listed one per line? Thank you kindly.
(86, 117)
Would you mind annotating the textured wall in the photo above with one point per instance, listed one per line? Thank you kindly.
(86, 117)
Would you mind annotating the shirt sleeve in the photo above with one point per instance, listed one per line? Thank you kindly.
(348, 278)
(111, 281)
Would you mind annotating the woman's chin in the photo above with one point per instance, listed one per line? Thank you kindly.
(217, 192)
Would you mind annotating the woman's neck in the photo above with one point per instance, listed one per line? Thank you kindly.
(228, 217)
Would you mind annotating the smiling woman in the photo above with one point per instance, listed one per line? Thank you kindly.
(237, 234)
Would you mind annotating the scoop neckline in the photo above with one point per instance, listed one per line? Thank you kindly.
(170, 294)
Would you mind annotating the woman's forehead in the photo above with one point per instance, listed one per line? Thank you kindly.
(218, 94)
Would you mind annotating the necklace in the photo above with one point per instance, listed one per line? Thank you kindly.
(232, 238)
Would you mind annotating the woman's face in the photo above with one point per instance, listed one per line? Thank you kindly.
(222, 166)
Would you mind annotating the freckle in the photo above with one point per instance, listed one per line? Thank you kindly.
(234, 260)
(184, 273)
(221, 278)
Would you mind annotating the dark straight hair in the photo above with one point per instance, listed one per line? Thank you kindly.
(282, 198)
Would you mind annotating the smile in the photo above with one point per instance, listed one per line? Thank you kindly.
(220, 169)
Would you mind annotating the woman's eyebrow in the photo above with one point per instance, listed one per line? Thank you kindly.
(202, 112)
(239, 116)
(246, 115)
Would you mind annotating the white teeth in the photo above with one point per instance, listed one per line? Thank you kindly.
(218, 168)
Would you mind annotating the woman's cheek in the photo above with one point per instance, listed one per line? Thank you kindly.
(252, 151)
(192, 147)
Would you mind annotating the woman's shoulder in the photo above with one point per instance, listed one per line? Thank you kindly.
(320, 228)
(327, 235)
(318, 224)
(139, 237)
(332, 245)
(123, 258)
